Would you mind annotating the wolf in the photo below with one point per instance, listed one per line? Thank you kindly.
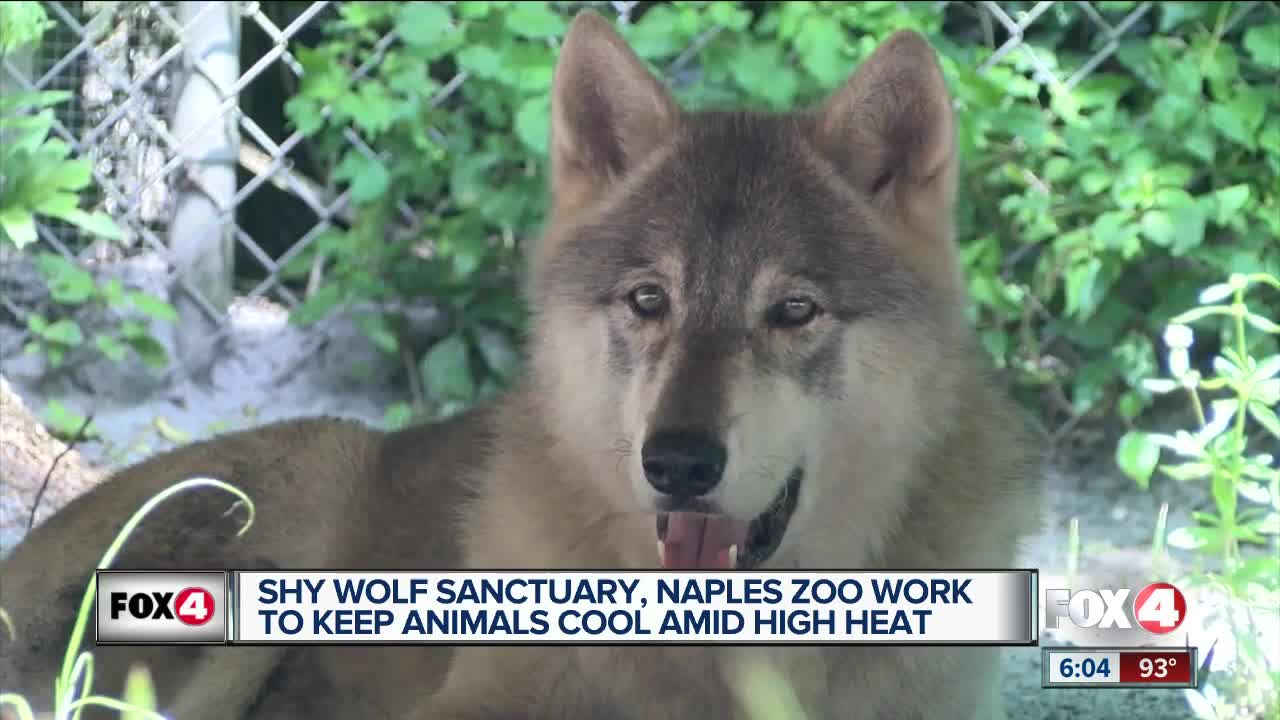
(748, 349)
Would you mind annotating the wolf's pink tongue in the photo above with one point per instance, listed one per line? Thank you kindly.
(696, 541)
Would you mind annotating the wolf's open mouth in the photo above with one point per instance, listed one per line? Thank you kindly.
(689, 540)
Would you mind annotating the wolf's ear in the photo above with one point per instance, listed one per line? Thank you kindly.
(607, 110)
(890, 129)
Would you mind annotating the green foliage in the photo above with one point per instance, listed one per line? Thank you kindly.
(72, 287)
(1234, 407)
(39, 179)
(1088, 214)
(73, 687)
(1090, 221)
(765, 693)
(67, 424)
(139, 693)
(21, 24)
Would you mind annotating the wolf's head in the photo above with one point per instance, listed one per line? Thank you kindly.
(745, 321)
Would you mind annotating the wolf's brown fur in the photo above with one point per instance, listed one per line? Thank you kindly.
(911, 457)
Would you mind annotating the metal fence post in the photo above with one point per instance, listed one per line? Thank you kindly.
(201, 236)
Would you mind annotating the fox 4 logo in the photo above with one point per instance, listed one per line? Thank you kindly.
(160, 607)
(190, 606)
(1158, 608)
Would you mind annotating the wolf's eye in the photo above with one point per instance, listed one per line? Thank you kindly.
(793, 312)
(648, 301)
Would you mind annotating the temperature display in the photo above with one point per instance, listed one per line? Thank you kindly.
(1164, 667)
(1118, 667)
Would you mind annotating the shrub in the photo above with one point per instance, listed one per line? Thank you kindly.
(41, 180)
(1238, 542)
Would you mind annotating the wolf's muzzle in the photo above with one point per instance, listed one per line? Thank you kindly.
(683, 464)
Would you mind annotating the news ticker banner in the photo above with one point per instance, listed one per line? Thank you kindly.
(563, 607)
(1119, 667)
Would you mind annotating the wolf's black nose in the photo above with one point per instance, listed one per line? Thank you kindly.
(683, 463)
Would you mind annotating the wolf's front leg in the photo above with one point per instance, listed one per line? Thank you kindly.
(582, 683)
(915, 683)
(510, 683)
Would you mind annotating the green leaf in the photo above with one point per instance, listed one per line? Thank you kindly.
(304, 112)
(1095, 181)
(397, 416)
(1192, 538)
(1201, 142)
(1267, 369)
(1262, 323)
(729, 16)
(1173, 14)
(113, 292)
(1239, 119)
(130, 329)
(64, 332)
(149, 349)
(1137, 456)
(1256, 569)
(60, 204)
(1269, 524)
(1158, 227)
(480, 60)
(1178, 226)
(318, 305)
(33, 100)
(140, 693)
(533, 123)
(423, 23)
(820, 43)
(498, 352)
(1214, 293)
(68, 283)
(19, 226)
(1187, 471)
(534, 20)
(65, 423)
(1188, 221)
(22, 24)
(759, 69)
(527, 67)
(152, 306)
(71, 175)
(1130, 405)
(467, 251)
(379, 332)
(1081, 278)
(374, 109)
(97, 222)
(370, 182)
(656, 35)
(1268, 391)
(1263, 43)
(111, 347)
(1229, 201)
(473, 9)
(1195, 314)
(446, 369)
(1266, 417)
(169, 432)
(29, 134)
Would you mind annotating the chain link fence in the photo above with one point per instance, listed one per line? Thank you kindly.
(166, 108)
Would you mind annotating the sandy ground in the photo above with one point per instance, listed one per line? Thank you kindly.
(280, 375)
